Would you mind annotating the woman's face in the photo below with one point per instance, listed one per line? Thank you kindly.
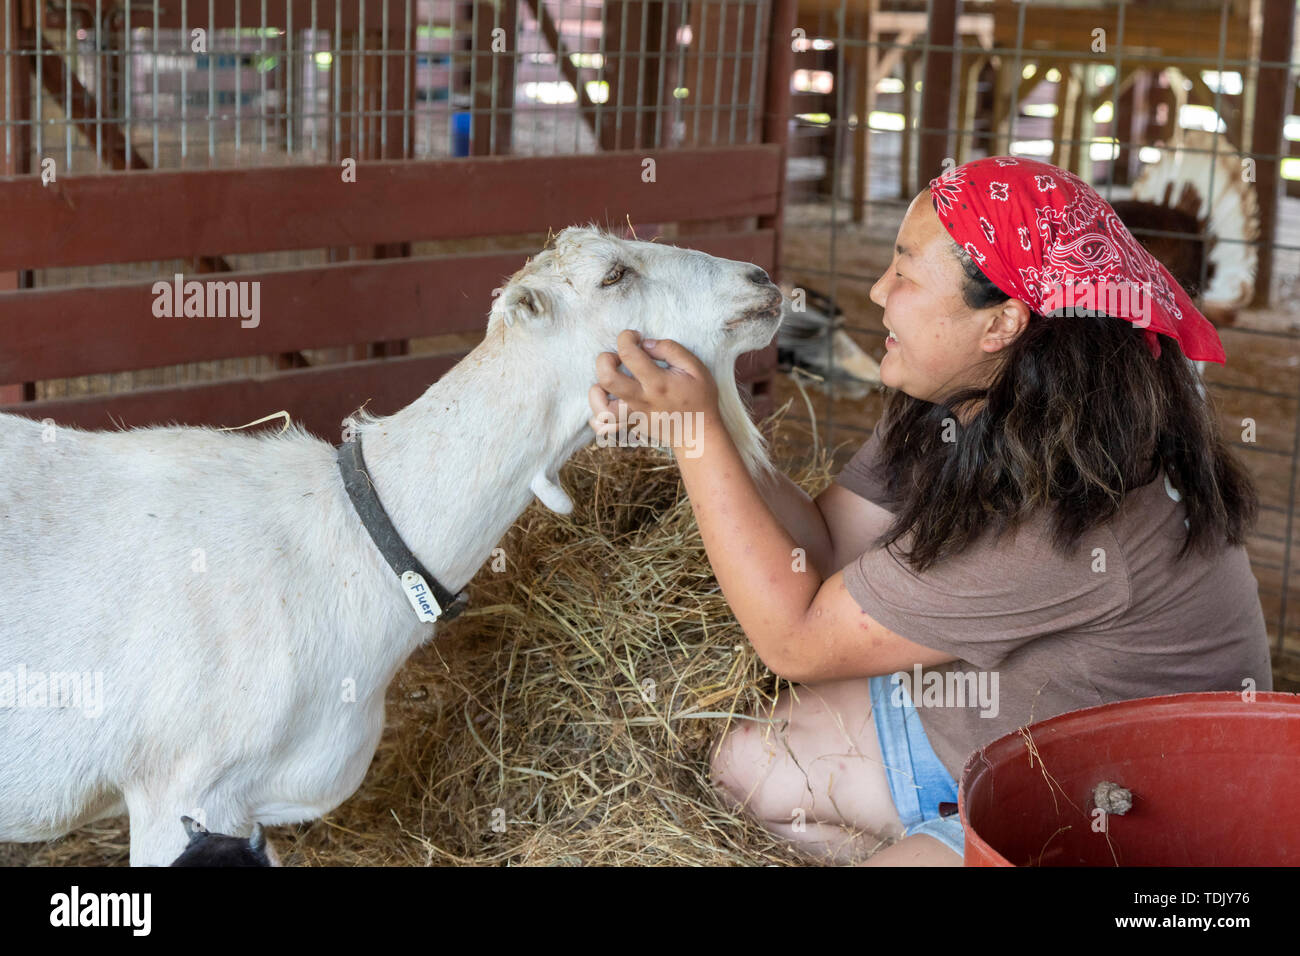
(938, 343)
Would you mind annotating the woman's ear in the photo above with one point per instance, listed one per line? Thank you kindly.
(1009, 320)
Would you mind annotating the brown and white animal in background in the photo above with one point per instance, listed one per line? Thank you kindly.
(1209, 202)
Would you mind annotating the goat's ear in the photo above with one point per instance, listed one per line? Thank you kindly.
(257, 842)
(551, 494)
(192, 827)
(522, 303)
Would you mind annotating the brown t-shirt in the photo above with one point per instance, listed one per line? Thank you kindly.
(1061, 632)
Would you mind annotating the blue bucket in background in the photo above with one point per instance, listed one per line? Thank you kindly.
(461, 123)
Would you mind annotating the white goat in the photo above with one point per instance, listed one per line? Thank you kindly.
(223, 592)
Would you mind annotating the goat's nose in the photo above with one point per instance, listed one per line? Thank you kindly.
(759, 277)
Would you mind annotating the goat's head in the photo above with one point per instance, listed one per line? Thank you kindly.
(571, 300)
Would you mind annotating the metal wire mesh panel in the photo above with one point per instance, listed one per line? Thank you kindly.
(105, 87)
(110, 86)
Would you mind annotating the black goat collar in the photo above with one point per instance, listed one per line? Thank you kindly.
(430, 600)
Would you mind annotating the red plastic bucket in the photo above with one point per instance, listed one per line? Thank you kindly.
(1215, 781)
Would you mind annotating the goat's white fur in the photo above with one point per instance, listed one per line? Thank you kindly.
(254, 690)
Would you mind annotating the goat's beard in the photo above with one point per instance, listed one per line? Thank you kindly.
(749, 440)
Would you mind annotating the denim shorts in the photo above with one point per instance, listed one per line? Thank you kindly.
(918, 780)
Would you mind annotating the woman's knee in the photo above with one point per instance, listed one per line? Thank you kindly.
(753, 764)
(736, 765)
(811, 754)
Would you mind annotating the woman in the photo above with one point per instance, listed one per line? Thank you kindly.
(1045, 518)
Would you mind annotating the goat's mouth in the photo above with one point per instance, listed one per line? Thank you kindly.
(767, 311)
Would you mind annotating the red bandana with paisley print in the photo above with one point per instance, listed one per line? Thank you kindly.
(1044, 236)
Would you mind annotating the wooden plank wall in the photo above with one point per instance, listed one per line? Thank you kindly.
(153, 215)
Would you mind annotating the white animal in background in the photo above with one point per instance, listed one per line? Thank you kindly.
(813, 338)
(223, 591)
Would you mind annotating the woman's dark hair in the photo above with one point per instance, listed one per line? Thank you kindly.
(1077, 413)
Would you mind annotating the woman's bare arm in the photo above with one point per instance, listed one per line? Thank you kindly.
(833, 529)
(801, 517)
(852, 522)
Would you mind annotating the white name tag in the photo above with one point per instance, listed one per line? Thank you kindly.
(421, 598)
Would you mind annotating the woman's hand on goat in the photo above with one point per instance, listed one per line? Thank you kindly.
(685, 387)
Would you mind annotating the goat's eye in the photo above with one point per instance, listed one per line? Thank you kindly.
(614, 275)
